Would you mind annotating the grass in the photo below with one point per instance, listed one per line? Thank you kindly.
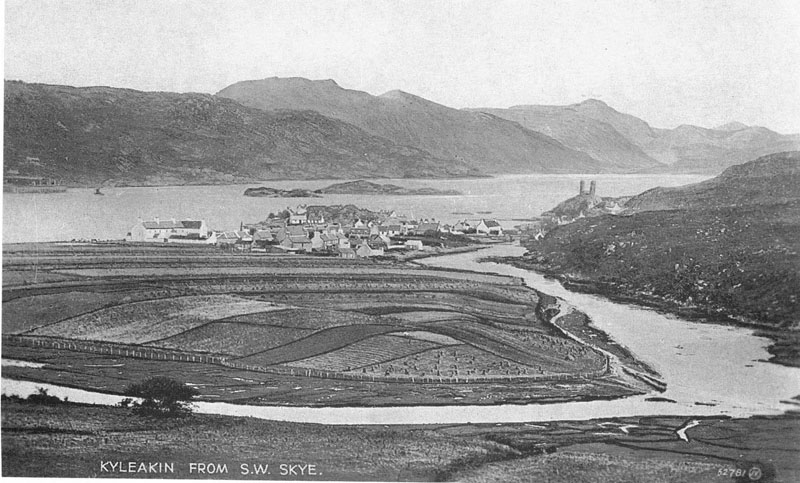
(26, 277)
(462, 361)
(231, 338)
(307, 318)
(71, 440)
(27, 313)
(318, 343)
(374, 350)
(533, 350)
(141, 322)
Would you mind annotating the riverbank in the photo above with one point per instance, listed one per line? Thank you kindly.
(785, 347)
(77, 440)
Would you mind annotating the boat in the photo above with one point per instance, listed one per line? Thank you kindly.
(98, 192)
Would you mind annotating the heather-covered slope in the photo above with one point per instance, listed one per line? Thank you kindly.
(726, 249)
(87, 136)
(490, 144)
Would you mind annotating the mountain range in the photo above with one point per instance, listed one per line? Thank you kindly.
(629, 143)
(294, 128)
(97, 135)
(489, 143)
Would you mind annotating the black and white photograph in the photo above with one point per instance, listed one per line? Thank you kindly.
(424, 240)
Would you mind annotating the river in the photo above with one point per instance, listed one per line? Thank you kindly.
(705, 363)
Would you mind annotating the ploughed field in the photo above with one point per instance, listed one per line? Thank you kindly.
(317, 322)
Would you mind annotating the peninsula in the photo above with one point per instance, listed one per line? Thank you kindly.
(699, 250)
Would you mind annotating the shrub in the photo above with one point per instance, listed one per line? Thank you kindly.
(41, 397)
(161, 396)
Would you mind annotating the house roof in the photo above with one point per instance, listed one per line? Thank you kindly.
(162, 225)
(299, 239)
(296, 230)
(263, 235)
(192, 224)
(172, 224)
(423, 227)
(491, 223)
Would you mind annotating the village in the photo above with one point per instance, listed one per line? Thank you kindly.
(325, 231)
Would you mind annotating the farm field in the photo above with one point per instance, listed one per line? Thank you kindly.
(368, 352)
(231, 338)
(348, 333)
(140, 322)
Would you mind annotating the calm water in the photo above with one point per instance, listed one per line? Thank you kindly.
(699, 362)
(80, 214)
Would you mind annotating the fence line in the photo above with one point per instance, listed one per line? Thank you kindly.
(140, 352)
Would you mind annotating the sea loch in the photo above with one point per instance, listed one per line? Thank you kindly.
(81, 215)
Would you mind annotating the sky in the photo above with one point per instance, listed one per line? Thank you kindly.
(669, 62)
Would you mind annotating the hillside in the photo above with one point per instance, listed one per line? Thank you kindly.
(90, 136)
(767, 180)
(725, 249)
(628, 142)
(598, 139)
(484, 141)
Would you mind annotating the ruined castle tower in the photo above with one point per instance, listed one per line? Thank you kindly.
(592, 187)
(582, 188)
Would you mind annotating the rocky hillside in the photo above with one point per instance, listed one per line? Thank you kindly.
(484, 141)
(725, 249)
(767, 180)
(90, 136)
(629, 143)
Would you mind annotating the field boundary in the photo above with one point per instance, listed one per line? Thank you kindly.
(167, 355)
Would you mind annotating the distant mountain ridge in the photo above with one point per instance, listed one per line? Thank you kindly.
(596, 138)
(486, 142)
(685, 149)
(89, 136)
(296, 128)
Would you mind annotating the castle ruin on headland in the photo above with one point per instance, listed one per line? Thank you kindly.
(592, 188)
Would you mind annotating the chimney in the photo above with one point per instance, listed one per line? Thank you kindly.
(592, 187)
(582, 190)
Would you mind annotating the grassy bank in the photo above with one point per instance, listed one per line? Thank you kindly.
(72, 440)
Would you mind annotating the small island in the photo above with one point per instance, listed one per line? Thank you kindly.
(266, 192)
(363, 187)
